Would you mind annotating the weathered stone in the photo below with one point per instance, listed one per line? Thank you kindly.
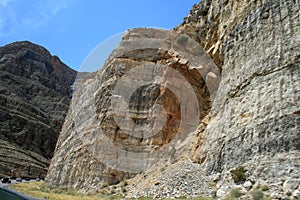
(254, 111)
(216, 177)
(183, 176)
(242, 189)
(116, 121)
(296, 194)
(291, 184)
(247, 185)
(253, 121)
(255, 117)
(221, 194)
(35, 92)
(216, 21)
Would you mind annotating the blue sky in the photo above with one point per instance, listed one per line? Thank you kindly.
(71, 29)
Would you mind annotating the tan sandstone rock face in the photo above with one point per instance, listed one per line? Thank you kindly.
(139, 109)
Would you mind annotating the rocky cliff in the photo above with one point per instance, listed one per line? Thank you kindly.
(250, 140)
(247, 138)
(148, 97)
(35, 92)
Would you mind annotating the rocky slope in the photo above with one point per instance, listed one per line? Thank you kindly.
(247, 140)
(35, 91)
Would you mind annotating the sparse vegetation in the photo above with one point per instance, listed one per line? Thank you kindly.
(105, 185)
(238, 174)
(124, 183)
(235, 193)
(230, 198)
(264, 188)
(36, 189)
(195, 198)
(212, 184)
(162, 169)
(202, 198)
(257, 194)
(214, 193)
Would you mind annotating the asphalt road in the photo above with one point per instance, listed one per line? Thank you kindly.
(8, 194)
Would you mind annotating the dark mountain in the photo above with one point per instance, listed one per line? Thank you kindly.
(35, 92)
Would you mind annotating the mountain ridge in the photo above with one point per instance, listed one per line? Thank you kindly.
(35, 91)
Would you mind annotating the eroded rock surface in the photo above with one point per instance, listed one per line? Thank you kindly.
(259, 100)
(212, 21)
(35, 92)
(247, 140)
(254, 123)
(139, 109)
(256, 118)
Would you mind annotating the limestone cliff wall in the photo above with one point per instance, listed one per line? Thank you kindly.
(211, 21)
(137, 110)
(255, 117)
(253, 122)
(256, 122)
(257, 110)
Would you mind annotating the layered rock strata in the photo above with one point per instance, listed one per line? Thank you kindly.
(35, 93)
(139, 109)
(254, 126)
(248, 137)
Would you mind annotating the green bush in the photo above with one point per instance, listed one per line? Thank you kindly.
(214, 193)
(124, 183)
(230, 198)
(257, 195)
(212, 185)
(235, 193)
(162, 169)
(104, 185)
(238, 174)
(264, 188)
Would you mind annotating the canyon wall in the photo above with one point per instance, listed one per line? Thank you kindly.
(35, 93)
(254, 122)
(248, 132)
(137, 110)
